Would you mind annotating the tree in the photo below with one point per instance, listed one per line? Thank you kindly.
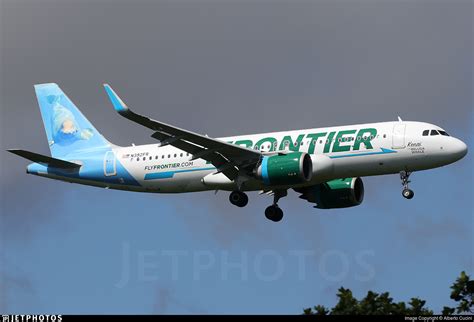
(463, 293)
(383, 304)
(372, 304)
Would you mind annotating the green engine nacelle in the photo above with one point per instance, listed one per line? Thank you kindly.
(286, 169)
(339, 193)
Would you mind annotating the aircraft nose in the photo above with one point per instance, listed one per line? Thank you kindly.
(459, 149)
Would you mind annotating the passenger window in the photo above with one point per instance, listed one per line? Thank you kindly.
(138, 159)
(163, 156)
(384, 136)
(169, 156)
(434, 132)
(426, 132)
(358, 138)
(181, 155)
(144, 158)
(151, 157)
(175, 155)
(156, 157)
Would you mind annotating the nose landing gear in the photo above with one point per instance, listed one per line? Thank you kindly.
(406, 193)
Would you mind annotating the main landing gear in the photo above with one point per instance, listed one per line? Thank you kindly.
(273, 212)
(238, 198)
(406, 193)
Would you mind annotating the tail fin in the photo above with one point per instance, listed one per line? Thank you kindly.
(66, 128)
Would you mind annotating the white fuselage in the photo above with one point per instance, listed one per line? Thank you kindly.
(396, 146)
(336, 152)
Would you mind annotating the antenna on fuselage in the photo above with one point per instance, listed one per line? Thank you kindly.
(400, 119)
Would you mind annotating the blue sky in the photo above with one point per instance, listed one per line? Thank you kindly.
(64, 247)
(73, 261)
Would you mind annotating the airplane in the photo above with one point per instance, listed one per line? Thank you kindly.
(323, 165)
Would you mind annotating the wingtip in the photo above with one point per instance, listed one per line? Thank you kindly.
(117, 102)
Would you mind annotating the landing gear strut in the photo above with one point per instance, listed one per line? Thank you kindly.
(238, 198)
(273, 212)
(406, 193)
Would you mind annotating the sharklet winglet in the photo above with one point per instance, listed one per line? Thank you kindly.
(117, 102)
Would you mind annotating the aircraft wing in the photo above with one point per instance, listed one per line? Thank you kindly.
(227, 158)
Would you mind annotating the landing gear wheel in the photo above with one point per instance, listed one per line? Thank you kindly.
(238, 198)
(274, 213)
(407, 193)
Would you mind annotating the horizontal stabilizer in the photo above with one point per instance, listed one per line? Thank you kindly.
(45, 160)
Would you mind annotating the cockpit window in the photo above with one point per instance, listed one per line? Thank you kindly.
(443, 133)
(434, 132)
(426, 132)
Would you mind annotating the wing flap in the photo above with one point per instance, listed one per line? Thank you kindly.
(221, 163)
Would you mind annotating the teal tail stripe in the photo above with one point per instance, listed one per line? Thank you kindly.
(170, 174)
(384, 151)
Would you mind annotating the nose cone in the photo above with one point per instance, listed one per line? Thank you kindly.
(458, 149)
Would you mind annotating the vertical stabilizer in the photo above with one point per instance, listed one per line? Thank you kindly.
(67, 129)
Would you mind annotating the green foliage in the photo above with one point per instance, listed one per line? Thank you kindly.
(448, 311)
(317, 310)
(382, 304)
(372, 304)
(463, 293)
